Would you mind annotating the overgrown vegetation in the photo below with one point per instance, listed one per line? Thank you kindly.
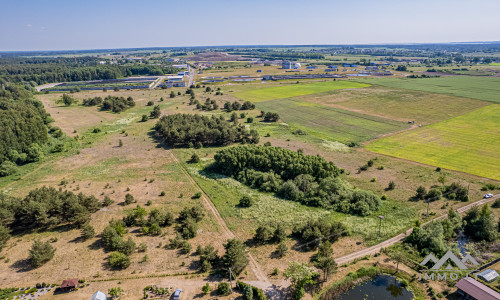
(308, 179)
(184, 130)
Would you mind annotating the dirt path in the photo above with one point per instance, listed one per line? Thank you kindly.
(263, 282)
(376, 248)
(391, 133)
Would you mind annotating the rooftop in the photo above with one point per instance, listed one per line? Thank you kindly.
(476, 289)
(69, 283)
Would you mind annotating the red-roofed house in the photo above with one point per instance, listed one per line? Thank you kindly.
(471, 289)
(69, 284)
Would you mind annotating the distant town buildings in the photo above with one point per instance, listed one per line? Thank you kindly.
(300, 76)
(286, 64)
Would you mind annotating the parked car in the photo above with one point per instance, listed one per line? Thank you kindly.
(488, 196)
(177, 294)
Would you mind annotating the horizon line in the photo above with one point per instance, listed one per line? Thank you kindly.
(256, 45)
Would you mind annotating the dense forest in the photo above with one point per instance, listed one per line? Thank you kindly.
(23, 127)
(36, 71)
(185, 130)
(308, 179)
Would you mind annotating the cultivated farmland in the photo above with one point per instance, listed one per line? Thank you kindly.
(482, 88)
(468, 143)
(330, 123)
(397, 104)
(264, 94)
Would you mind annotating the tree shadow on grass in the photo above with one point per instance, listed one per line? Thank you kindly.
(22, 265)
(96, 245)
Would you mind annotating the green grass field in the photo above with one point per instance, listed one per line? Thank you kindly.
(482, 88)
(330, 123)
(280, 92)
(226, 192)
(398, 104)
(495, 64)
(469, 143)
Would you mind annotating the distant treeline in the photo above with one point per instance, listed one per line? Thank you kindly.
(269, 54)
(50, 70)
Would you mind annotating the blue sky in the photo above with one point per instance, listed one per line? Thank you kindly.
(91, 24)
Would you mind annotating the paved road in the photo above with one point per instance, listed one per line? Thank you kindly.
(158, 81)
(191, 75)
(46, 86)
(374, 249)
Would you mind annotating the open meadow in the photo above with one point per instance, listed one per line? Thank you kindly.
(482, 88)
(397, 104)
(331, 123)
(469, 143)
(292, 90)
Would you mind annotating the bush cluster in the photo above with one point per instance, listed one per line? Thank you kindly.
(117, 104)
(308, 179)
(184, 130)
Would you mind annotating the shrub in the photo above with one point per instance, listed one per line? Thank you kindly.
(7, 168)
(142, 247)
(245, 201)
(391, 186)
(186, 247)
(206, 289)
(119, 260)
(107, 201)
(496, 204)
(41, 253)
(194, 159)
(129, 199)
(281, 250)
(88, 231)
(223, 289)
(197, 195)
(144, 118)
(150, 103)
(271, 117)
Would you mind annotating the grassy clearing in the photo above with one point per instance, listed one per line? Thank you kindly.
(226, 192)
(258, 95)
(330, 123)
(482, 88)
(469, 143)
(397, 104)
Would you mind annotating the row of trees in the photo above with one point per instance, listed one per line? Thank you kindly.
(453, 191)
(308, 179)
(181, 130)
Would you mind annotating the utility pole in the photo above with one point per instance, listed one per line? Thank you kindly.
(428, 201)
(380, 225)
(230, 281)
(319, 245)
